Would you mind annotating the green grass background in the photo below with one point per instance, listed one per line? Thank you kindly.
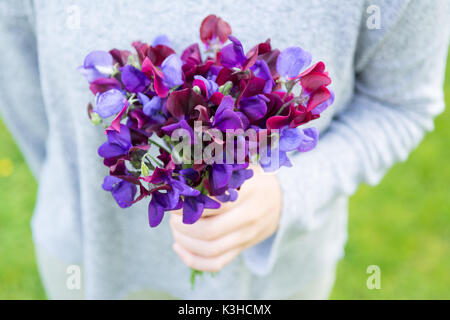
(402, 225)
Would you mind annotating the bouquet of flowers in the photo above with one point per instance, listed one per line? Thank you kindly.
(183, 129)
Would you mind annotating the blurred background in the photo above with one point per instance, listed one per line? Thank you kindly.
(402, 225)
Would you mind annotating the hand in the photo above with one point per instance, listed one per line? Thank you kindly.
(221, 234)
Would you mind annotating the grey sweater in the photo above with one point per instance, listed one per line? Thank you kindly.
(388, 87)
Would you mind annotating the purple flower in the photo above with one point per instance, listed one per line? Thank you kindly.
(254, 107)
(171, 69)
(233, 55)
(122, 191)
(156, 208)
(209, 86)
(310, 139)
(118, 144)
(239, 176)
(170, 200)
(261, 70)
(225, 117)
(229, 195)
(169, 129)
(292, 61)
(133, 79)
(152, 107)
(193, 207)
(290, 139)
(161, 39)
(219, 178)
(109, 103)
(97, 64)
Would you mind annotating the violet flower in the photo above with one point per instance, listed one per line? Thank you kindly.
(133, 79)
(232, 55)
(171, 69)
(152, 107)
(208, 87)
(193, 207)
(290, 139)
(225, 117)
(118, 144)
(109, 103)
(122, 191)
(254, 107)
(161, 40)
(97, 64)
(261, 70)
(292, 61)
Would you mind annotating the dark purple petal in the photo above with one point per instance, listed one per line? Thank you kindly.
(232, 55)
(292, 61)
(192, 210)
(169, 129)
(238, 177)
(208, 203)
(225, 118)
(124, 194)
(221, 174)
(104, 84)
(156, 209)
(133, 79)
(261, 70)
(184, 189)
(254, 107)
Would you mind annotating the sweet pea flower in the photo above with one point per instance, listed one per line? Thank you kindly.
(152, 107)
(214, 30)
(292, 61)
(122, 191)
(208, 87)
(118, 144)
(97, 64)
(161, 40)
(133, 79)
(193, 207)
(170, 75)
(261, 70)
(109, 103)
(290, 139)
(171, 69)
(254, 107)
(225, 117)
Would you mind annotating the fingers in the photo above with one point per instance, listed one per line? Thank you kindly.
(214, 227)
(214, 248)
(202, 263)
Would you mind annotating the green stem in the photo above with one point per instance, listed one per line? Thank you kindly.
(159, 145)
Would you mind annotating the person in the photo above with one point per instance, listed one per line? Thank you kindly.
(285, 234)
